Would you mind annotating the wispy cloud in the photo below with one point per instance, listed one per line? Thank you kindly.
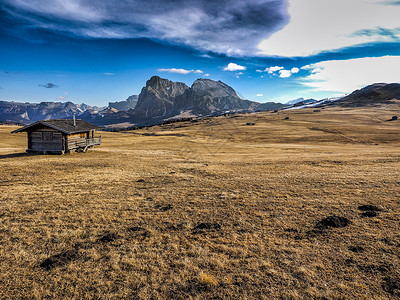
(392, 2)
(49, 85)
(314, 26)
(260, 95)
(108, 74)
(180, 71)
(344, 76)
(227, 26)
(234, 67)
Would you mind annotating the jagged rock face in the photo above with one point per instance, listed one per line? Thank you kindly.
(162, 98)
(31, 112)
(14, 112)
(373, 94)
(158, 98)
(211, 88)
(128, 104)
(208, 97)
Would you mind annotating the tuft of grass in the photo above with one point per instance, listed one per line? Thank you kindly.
(208, 280)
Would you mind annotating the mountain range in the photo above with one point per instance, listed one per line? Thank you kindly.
(162, 99)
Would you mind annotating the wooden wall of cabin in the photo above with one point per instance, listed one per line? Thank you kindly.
(45, 139)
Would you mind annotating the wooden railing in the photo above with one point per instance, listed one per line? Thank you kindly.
(84, 143)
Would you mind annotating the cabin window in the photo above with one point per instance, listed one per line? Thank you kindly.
(47, 135)
(82, 135)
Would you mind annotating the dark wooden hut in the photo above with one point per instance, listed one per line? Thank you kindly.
(60, 136)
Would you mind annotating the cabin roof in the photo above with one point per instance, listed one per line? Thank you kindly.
(64, 125)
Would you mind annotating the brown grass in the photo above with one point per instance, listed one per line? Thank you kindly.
(222, 210)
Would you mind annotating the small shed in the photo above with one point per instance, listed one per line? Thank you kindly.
(60, 136)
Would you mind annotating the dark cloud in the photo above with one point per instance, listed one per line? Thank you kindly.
(392, 33)
(392, 2)
(227, 26)
(49, 85)
(12, 73)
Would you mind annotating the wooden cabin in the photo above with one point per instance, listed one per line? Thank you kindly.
(60, 136)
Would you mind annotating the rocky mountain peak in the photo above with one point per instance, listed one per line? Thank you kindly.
(163, 88)
(213, 88)
(156, 81)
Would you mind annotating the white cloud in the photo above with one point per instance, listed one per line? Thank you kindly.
(180, 71)
(260, 95)
(294, 70)
(345, 76)
(207, 75)
(285, 73)
(234, 67)
(109, 74)
(322, 25)
(271, 70)
(258, 71)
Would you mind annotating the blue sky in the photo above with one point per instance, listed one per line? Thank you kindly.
(96, 51)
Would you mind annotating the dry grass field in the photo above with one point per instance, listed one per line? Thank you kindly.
(214, 209)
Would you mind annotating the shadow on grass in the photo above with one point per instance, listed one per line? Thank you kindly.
(15, 155)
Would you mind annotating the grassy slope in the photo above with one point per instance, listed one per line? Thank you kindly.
(261, 189)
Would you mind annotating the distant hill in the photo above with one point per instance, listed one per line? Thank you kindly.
(377, 93)
(301, 101)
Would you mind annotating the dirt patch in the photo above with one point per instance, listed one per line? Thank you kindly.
(369, 214)
(139, 232)
(391, 285)
(59, 260)
(356, 249)
(369, 211)
(333, 222)
(108, 237)
(202, 227)
(369, 208)
(164, 207)
(174, 227)
(372, 268)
